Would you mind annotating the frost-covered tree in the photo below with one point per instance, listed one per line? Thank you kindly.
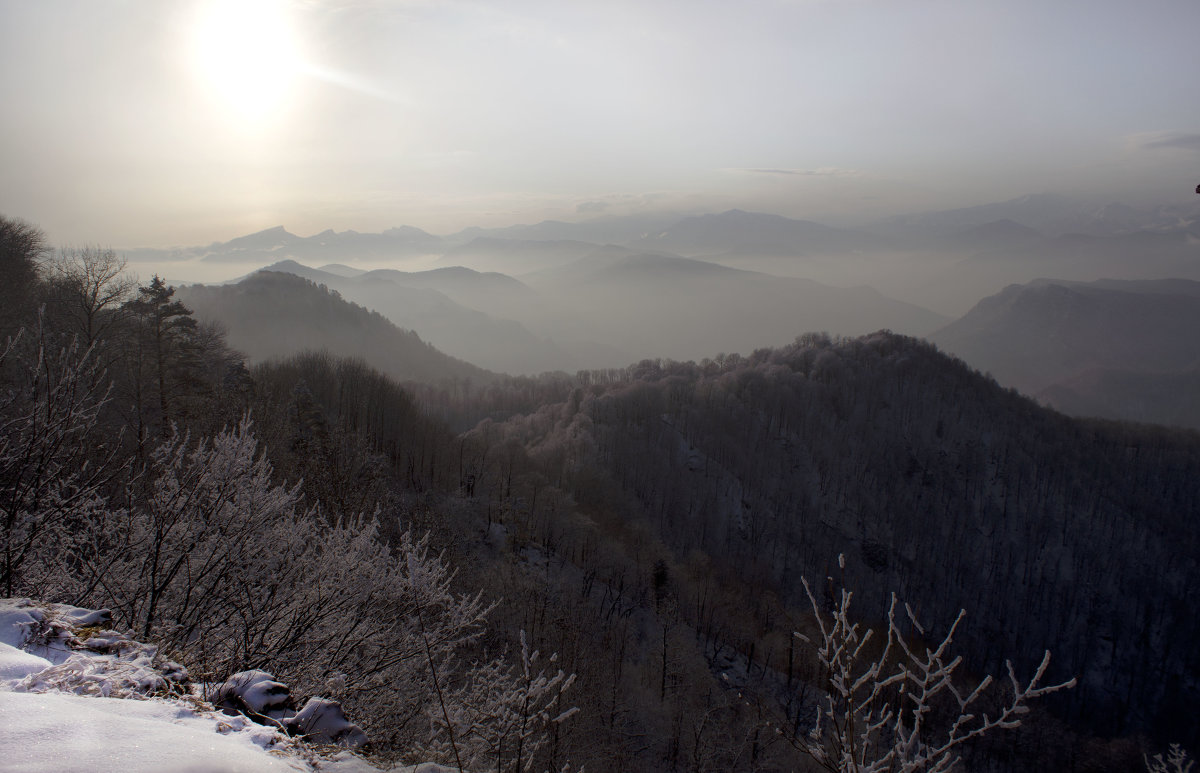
(228, 571)
(53, 459)
(203, 511)
(899, 705)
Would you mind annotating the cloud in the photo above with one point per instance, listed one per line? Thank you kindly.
(824, 171)
(1174, 140)
(591, 206)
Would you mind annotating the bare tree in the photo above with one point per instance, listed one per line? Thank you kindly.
(89, 286)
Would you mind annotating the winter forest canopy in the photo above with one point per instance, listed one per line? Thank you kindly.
(678, 540)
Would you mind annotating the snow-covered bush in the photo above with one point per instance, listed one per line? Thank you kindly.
(898, 706)
(110, 665)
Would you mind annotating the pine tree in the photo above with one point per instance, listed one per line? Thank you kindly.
(165, 357)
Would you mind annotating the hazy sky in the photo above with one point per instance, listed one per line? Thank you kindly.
(144, 122)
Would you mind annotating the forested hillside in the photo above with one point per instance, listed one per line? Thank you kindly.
(936, 483)
(407, 550)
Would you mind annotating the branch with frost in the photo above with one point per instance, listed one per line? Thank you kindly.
(501, 715)
(1177, 761)
(887, 698)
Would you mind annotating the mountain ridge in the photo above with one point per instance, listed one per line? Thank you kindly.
(272, 314)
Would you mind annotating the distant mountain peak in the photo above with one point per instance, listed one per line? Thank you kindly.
(407, 230)
(267, 238)
(288, 265)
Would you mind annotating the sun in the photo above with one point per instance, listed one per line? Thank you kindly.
(247, 55)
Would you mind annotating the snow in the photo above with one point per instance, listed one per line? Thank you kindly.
(21, 619)
(68, 733)
(17, 664)
(16, 620)
(55, 716)
(78, 617)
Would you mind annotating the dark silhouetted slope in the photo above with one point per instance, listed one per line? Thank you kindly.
(460, 311)
(1035, 335)
(1158, 398)
(275, 315)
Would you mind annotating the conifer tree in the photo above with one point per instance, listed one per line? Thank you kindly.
(164, 357)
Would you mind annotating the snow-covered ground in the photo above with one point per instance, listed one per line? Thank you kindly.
(75, 697)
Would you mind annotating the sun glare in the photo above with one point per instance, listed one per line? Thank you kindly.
(247, 54)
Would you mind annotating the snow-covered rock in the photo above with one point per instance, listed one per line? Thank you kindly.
(257, 695)
(49, 630)
(323, 721)
(61, 648)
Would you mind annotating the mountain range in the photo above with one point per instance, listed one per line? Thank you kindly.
(610, 307)
(1102, 337)
(733, 232)
(945, 261)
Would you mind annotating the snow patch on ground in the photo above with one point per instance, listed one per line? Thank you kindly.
(17, 664)
(67, 733)
(58, 669)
